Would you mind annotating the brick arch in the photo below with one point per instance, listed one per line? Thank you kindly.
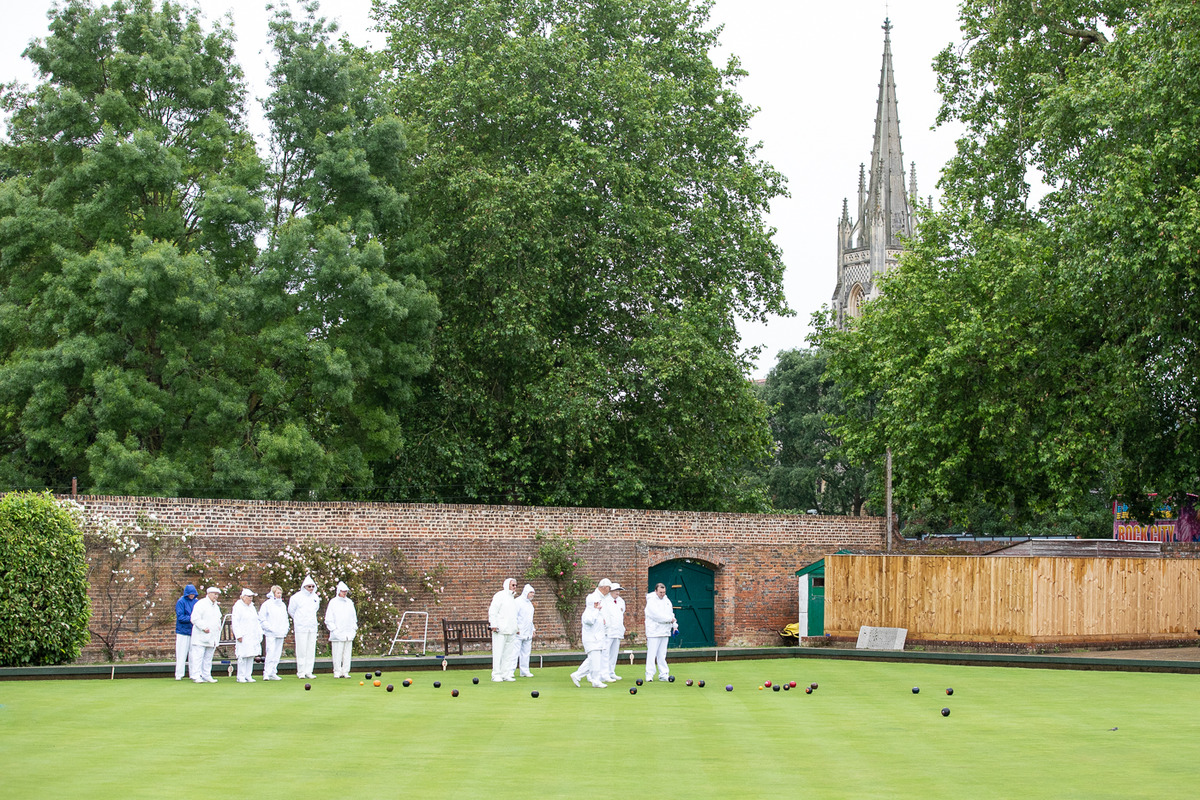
(706, 558)
(725, 569)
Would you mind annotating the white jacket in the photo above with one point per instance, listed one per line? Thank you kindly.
(303, 608)
(660, 616)
(502, 613)
(341, 619)
(206, 614)
(525, 626)
(593, 629)
(273, 617)
(247, 629)
(614, 616)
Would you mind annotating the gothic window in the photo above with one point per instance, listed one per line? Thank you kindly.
(854, 302)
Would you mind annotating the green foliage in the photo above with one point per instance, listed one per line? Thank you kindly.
(129, 570)
(598, 216)
(1085, 520)
(1025, 356)
(176, 314)
(44, 605)
(381, 586)
(557, 561)
(810, 470)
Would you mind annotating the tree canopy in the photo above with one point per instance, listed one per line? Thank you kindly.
(1039, 358)
(499, 261)
(598, 213)
(810, 471)
(177, 314)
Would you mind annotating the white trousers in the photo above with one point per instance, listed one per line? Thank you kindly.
(504, 655)
(245, 668)
(201, 663)
(273, 649)
(524, 647)
(611, 652)
(183, 652)
(593, 668)
(656, 654)
(306, 653)
(341, 658)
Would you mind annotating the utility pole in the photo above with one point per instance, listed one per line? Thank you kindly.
(889, 499)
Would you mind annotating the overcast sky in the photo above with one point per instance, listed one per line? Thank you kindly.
(813, 73)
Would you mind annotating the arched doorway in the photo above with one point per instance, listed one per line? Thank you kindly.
(691, 588)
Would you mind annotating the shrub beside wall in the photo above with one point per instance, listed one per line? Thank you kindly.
(44, 607)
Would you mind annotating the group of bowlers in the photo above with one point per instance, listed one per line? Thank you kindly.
(261, 632)
(602, 626)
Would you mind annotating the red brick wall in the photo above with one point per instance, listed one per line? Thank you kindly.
(754, 556)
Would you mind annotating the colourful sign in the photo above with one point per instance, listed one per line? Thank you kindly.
(1130, 530)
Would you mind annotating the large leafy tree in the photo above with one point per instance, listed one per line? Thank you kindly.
(1035, 359)
(599, 217)
(176, 314)
(810, 471)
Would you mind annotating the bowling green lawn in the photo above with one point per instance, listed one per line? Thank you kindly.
(1011, 733)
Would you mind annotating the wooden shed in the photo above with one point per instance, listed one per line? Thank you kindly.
(1029, 600)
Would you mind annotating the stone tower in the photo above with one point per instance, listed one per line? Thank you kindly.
(869, 245)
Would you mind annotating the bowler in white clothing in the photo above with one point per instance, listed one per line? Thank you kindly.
(303, 609)
(342, 621)
(206, 635)
(600, 593)
(502, 619)
(248, 636)
(273, 617)
(525, 629)
(660, 622)
(595, 643)
(614, 619)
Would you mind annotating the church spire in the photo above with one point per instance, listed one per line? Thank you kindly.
(870, 246)
(887, 190)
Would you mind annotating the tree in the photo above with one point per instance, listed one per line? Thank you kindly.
(176, 315)
(810, 471)
(1032, 358)
(598, 214)
(44, 607)
(951, 369)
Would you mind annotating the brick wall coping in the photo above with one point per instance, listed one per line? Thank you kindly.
(493, 509)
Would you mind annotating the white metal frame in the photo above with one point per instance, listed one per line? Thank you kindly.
(424, 636)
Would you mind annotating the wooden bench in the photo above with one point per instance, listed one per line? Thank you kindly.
(464, 631)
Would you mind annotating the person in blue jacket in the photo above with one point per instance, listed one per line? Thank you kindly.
(183, 629)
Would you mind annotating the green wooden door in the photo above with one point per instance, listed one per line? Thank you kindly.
(816, 605)
(691, 587)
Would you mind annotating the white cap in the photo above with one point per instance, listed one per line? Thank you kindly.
(247, 593)
(212, 589)
(605, 582)
(616, 587)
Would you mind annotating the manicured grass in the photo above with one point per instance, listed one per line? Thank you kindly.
(1016, 733)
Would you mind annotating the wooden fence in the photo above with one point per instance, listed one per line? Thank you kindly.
(1019, 600)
